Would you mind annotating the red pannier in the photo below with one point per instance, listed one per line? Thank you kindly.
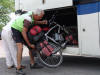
(35, 33)
(35, 30)
(46, 48)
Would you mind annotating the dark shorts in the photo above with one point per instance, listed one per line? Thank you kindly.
(17, 36)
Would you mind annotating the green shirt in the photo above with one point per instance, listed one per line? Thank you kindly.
(19, 22)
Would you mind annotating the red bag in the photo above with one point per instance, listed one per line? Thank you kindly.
(46, 52)
(35, 30)
(50, 48)
(45, 29)
(46, 48)
(45, 42)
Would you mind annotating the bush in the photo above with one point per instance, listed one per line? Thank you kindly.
(6, 7)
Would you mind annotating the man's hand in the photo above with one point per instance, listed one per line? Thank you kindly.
(44, 22)
(32, 46)
(41, 22)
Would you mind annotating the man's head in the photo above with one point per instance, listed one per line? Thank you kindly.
(38, 14)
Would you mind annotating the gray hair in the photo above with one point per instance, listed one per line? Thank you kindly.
(38, 12)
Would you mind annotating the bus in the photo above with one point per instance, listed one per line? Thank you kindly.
(82, 17)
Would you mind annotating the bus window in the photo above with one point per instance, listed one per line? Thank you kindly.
(76, 2)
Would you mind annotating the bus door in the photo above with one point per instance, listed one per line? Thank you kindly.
(88, 22)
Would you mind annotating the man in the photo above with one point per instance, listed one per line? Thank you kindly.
(9, 44)
(19, 29)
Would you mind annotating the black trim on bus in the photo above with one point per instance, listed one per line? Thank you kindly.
(77, 2)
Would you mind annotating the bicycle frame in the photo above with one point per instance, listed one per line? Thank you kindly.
(48, 37)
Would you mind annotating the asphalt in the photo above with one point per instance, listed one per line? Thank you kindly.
(71, 66)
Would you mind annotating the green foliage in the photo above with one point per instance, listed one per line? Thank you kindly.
(1, 27)
(6, 7)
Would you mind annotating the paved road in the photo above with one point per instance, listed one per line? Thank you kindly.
(70, 66)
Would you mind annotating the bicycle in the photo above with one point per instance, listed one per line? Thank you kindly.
(54, 39)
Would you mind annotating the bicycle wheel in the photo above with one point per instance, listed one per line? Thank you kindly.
(54, 60)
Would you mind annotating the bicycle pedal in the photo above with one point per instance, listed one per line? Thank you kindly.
(64, 45)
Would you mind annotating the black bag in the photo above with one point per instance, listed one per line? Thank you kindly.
(36, 38)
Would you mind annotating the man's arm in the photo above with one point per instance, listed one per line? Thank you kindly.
(40, 22)
(24, 33)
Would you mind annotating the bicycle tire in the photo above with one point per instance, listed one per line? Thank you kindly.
(49, 61)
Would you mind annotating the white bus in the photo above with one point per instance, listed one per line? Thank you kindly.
(81, 16)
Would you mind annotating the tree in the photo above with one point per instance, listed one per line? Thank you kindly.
(6, 7)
